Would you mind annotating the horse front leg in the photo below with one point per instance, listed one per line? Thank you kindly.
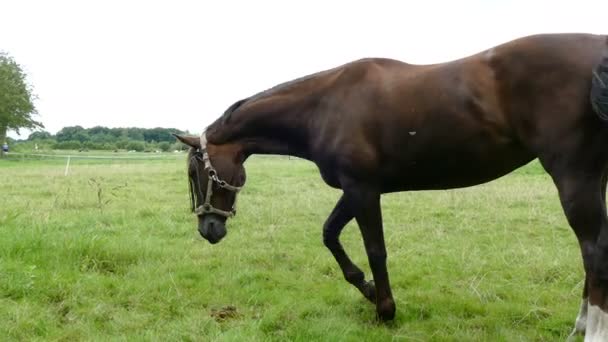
(332, 228)
(364, 201)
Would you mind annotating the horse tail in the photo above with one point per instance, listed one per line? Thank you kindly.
(599, 87)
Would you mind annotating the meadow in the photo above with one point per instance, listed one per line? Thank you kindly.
(111, 252)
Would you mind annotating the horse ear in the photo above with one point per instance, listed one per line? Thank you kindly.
(192, 141)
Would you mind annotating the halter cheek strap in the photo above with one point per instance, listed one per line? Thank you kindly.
(203, 139)
(207, 208)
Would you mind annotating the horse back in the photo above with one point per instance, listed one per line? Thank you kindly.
(463, 122)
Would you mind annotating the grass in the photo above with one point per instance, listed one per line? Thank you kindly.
(496, 262)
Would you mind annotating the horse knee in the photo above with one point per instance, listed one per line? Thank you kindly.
(330, 240)
(329, 235)
(354, 277)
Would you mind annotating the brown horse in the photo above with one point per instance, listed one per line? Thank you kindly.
(375, 126)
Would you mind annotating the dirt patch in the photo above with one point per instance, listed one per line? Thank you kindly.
(225, 313)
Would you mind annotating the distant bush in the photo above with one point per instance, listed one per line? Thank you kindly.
(135, 146)
(27, 146)
(108, 146)
(122, 144)
(178, 146)
(99, 146)
(68, 145)
(164, 146)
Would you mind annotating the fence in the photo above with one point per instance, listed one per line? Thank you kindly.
(68, 158)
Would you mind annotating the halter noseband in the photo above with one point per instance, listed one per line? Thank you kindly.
(206, 207)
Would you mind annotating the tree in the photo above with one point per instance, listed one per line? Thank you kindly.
(40, 135)
(135, 133)
(72, 133)
(160, 134)
(16, 98)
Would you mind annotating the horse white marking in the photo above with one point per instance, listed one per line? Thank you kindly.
(412, 133)
(581, 320)
(597, 325)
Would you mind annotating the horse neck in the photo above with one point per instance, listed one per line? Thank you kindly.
(268, 126)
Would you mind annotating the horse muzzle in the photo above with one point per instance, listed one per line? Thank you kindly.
(212, 228)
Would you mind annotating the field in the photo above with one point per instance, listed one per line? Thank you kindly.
(111, 252)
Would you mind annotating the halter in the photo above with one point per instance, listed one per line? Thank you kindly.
(206, 208)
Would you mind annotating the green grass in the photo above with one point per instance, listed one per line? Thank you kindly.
(496, 262)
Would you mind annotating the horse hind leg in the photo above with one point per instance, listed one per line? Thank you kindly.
(582, 196)
(581, 319)
(597, 314)
(580, 324)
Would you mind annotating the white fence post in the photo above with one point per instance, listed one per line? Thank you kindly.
(67, 166)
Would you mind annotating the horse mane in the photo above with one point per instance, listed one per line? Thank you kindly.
(228, 113)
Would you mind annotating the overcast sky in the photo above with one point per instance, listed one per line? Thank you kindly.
(182, 63)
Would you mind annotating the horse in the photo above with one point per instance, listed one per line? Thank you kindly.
(377, 125)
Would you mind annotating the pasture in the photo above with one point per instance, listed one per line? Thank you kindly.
(111, 252)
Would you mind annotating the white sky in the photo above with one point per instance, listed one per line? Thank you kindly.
(182, 63)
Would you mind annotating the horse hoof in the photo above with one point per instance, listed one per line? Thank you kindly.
(386, 309)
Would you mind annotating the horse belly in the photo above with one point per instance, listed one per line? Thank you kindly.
(453, 167)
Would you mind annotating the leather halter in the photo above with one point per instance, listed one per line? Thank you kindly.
(206, 208)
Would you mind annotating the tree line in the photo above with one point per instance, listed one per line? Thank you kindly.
(104, 138)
